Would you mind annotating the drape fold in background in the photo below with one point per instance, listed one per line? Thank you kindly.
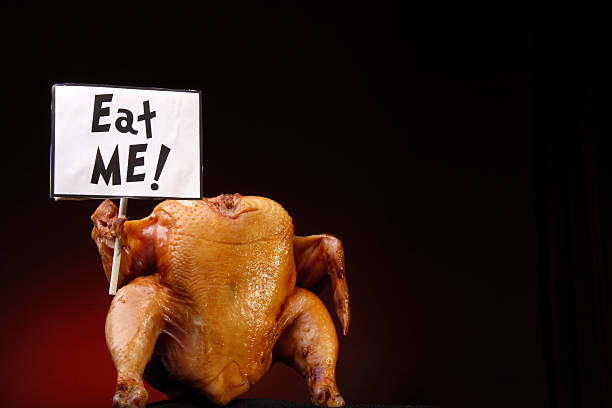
(573, 203)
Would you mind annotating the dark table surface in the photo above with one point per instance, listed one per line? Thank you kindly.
(262, 403)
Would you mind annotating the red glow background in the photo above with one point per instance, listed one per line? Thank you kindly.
(403, 132)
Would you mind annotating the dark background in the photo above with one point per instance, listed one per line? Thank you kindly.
(459, 153)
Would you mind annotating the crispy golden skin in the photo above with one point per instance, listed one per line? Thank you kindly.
(208, 299)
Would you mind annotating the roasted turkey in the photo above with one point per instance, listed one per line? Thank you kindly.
(215, 291)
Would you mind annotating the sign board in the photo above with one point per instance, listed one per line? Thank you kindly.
(113, 141)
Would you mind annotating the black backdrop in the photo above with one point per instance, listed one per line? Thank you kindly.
(458, 151)
(572, 195)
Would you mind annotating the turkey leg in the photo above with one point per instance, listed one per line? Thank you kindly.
(309, 344)
(134, 322)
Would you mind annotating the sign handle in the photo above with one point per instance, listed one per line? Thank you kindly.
(117, 253)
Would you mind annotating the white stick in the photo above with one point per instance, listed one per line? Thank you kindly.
(117, 253)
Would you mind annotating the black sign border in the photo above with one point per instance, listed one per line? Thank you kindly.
(84, 196)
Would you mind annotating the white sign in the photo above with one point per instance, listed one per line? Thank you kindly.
(126, 142)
